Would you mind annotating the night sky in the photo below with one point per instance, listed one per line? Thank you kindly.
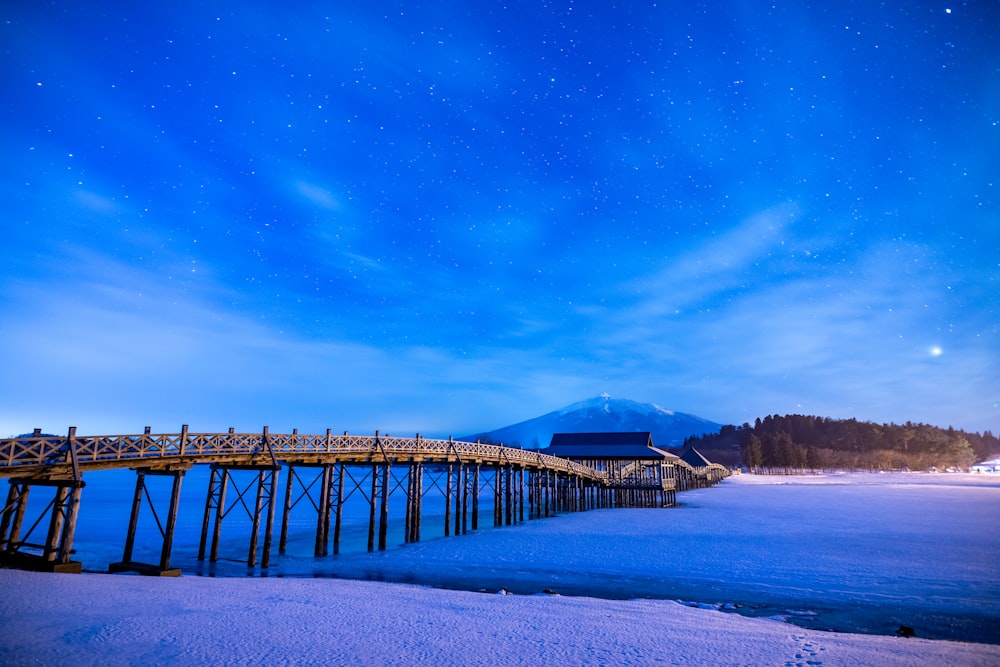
(447, 217)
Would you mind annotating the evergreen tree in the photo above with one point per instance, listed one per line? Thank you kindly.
(812, 458)
(790, 452)
(771, 456)
(753, 456)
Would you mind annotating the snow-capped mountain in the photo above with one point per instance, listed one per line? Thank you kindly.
(603, 414)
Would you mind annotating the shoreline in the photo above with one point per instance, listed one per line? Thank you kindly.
(128, 620)
(821, 616)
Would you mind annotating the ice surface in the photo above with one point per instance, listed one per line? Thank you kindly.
(861, 552)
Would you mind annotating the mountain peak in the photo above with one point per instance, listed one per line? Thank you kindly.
(608, 404)
(604, 414)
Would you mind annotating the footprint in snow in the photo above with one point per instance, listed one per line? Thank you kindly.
(807, 653)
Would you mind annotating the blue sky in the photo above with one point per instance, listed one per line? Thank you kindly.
(424, 216)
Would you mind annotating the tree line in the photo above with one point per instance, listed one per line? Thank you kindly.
(801, 442)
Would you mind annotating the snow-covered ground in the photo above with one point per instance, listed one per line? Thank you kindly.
(795, 555)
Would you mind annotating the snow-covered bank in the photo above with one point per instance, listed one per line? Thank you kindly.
(95, 619)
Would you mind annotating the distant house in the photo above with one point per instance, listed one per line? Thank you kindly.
(991, 466)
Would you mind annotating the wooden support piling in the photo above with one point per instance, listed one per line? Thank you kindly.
(372, 506)
(418, 498)
(497, 496)
(414, 496)
(383, 519)
(133, 522)
(269, 526)
(63, 510)
(255, 521)
(215, 500)
(266, 479)
(56, 521)
(220, 510)
(162, 568)
(531, 494)
(475, 497)
(459, 497)
(547, 489)
(168, 533)
(321, 545)
(447, 502)
(410, 504)
(520, 495)
(286, 511)
(508, 496)
(466, 473)
(13, 515)
(337, 498)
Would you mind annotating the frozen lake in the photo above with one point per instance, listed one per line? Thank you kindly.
(856, 553)
(859, 553)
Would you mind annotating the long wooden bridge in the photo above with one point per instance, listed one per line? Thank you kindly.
(324, 470)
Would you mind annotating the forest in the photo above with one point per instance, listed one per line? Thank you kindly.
(777, 444)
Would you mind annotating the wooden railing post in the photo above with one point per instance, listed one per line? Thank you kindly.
(184, 437)
(71, 446)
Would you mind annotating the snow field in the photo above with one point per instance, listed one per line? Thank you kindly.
(93, 619)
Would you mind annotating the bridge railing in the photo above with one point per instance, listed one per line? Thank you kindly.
(41, 451)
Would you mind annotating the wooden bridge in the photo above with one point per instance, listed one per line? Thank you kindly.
(324, 470)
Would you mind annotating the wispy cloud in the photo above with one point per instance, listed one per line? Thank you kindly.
(317, 195)
(724, 262)
(857, 339)
(121, 354)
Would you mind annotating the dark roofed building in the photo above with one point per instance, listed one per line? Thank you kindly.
(706, 472)
(694, 458)
(588, 447)
(633, 465)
